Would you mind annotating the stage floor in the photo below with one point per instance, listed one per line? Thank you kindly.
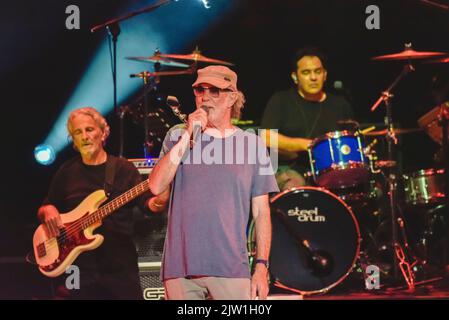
(432, 289)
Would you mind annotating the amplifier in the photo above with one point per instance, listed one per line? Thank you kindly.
(149, 241)
(144, 166)
(152, 286)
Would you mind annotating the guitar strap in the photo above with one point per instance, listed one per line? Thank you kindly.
(110, 174)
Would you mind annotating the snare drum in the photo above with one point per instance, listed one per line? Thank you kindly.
(424, 187)
(337, 160)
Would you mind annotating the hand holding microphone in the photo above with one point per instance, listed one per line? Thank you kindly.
(197, 122)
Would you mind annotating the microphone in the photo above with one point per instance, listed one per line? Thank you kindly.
(172, 101)
(174, 105)
(338, 85)
(340, 89)
(197, 128)
(321, 263)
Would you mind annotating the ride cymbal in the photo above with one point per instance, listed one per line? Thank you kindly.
(410, 54)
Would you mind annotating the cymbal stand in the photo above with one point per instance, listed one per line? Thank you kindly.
(399, 258)
(443, 121)
(150, 83)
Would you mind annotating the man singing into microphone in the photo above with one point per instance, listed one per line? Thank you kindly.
(205, 253)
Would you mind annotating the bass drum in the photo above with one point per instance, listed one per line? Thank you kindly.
(315, 240)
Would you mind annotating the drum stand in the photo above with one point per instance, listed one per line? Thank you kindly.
(399, 256)
(443, 122)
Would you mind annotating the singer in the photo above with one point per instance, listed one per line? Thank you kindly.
(205, 253)
(301, 114)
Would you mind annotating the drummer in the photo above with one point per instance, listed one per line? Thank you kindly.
(301, 114)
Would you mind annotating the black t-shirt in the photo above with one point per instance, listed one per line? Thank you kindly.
(73, 182)
(296, 117)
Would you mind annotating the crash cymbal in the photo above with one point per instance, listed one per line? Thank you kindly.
(396, 131)
(196, 56)
(158, 59)
(410, 54)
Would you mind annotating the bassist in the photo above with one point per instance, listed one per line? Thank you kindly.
(111, 270)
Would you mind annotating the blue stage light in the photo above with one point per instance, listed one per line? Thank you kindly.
(44, 154)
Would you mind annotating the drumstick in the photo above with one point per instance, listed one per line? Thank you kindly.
(369, 129)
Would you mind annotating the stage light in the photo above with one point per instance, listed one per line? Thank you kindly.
(44, 154)
(206, 4)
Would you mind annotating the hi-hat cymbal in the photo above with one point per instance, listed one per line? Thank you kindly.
(158, 59)
(146, 74)
(385, 163)
(410, 54)
(396, 131)
(196, 56)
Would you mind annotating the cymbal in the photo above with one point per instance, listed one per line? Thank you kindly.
(195, 56)
(396, 131)
(385, 163)
(441, 60)
(146, 74)
(409, 54)
(158, 59)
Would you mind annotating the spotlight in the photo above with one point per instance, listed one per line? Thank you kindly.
(44, 154)
(206, 4)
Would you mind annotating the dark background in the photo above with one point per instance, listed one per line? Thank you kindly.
(41, 63)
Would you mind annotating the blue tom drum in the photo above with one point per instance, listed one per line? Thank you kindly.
(337, 160)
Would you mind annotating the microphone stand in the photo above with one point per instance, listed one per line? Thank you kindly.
(114, 30)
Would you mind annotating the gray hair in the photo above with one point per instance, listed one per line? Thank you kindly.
(236, 111)
(94, 114)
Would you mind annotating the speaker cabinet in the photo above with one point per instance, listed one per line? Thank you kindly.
(149, 241)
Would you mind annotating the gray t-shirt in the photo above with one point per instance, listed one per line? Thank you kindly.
(210, 204)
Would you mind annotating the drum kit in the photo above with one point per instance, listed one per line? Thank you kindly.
(359, 211)
(320, 234)
(353, 213)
